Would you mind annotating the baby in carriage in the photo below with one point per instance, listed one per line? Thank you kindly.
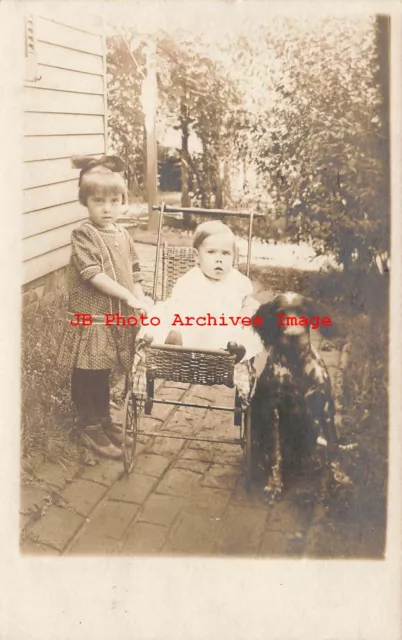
(212, 304)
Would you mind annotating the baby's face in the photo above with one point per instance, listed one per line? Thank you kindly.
(215, 256)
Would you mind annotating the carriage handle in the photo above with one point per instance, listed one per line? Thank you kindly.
(164, 208)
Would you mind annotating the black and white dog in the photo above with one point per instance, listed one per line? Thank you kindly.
(293, 407)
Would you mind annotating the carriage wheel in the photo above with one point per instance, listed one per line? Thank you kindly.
(133, 409)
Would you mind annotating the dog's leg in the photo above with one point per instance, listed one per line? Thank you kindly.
(334, 474)
(274, 486)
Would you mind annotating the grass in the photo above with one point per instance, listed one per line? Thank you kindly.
(47, 416)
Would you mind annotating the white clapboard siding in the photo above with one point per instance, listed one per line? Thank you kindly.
(46, 147)
(53, 124)
(49, 196)
(37, 222)
(37, 174)
(66, 80)
(49, 101)
(83, 20)
(55, 56)
(62, 35)
(44, 264)
(64, 115)
(49, 241)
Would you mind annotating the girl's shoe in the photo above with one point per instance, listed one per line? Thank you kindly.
(93, 436)
(114, 433)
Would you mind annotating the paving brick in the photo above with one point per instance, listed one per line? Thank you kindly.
(145, 538)
(215, 428)
(170, 393)
(166, 446)
(132, 488)
(161, 509)
(285, 516)
(286, 529)
(94, 545)
(83, 495)
(220, 477)
(31, 498)
(30, 548)
(207, 501)
(56, 475)
(193, 534)
(181, 424)
(179, 482)
(161, 411)
(196, 466)
(197, 454)
(242, 530)
(234, 459)
(149, 423)
(105, 473)
(243, 497)
(206, 393)
(195, 414)
(201, 445)
(57, 527)
(176, 385)
(110, 520)
(151, 464)
(142, 443)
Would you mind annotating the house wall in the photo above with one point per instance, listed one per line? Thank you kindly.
(64, 115)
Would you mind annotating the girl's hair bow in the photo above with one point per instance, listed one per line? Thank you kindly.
(86, 163)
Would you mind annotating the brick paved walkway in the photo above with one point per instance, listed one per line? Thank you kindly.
(183, 497)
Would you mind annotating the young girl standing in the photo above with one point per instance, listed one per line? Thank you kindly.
(103, 277)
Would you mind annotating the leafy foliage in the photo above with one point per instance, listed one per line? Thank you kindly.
(126, 119)
(301, 104)
(320, 143)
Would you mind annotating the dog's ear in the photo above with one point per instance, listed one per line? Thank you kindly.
(265, 322)
(314, 308)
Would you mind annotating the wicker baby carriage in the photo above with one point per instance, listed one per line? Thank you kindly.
(182, 364)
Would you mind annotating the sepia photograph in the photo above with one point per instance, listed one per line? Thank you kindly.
(205, 296)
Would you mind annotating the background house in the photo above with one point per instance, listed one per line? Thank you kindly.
(64, 114)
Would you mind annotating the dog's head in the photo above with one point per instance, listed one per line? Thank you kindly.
(289, 317)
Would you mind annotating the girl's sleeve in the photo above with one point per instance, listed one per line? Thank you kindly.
(85, 254)
(137, 275)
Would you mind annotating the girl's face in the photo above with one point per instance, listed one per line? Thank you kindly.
(104, 208)
(215, 256)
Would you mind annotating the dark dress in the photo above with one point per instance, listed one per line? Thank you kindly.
(98, 346)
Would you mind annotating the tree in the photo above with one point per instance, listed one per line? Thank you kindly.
(302, 103)
(126, 118)
(319, 144)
